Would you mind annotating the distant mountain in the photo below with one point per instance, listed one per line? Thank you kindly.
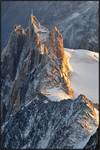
(77, 20)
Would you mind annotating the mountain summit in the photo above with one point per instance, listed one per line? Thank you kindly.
(34, 67)
(38, 60)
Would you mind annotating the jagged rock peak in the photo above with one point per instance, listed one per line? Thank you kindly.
(86, 100)
(55, 29)
(19, 29)
(35, 24)
(32, 64)
(58, 55)
(34, 21)
(56, 42)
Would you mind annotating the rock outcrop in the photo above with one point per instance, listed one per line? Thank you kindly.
(44, 124)
(32, 53)
(33, 62)
(58, 55)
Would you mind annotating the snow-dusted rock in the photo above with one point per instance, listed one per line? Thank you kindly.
(36, 71)
(65, 124)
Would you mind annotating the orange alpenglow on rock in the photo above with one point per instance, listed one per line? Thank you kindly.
(37, 41)
(59, 71)
(18, 29)
(56, 43)
(34, 21)
(45, 50)
(57, 49)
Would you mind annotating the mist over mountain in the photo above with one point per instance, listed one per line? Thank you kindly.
(77, 20)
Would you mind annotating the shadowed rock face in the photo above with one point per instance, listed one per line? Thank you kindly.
(93, 142)
(11, 54)
(77, 20)
(32, 62)
(33, 53)
(44, 124)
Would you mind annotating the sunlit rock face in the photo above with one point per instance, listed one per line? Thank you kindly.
(58, 55)
(34, 62)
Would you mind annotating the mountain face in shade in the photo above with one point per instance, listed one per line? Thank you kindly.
(44, 124)
(34, 62)
(77, 20)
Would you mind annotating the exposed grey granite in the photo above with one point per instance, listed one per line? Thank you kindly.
(29, 119)
(45, 124)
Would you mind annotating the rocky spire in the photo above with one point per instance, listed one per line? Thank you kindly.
(57, 53)
(35, 23)
(36, 64)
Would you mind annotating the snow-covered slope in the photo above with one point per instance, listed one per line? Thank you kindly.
(85, 71)
(56, 94)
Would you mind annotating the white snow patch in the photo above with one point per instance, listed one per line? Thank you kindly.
(56, 94)
(85, 73)
(75, 15)
(43, 29)
(45, 101)
(72, 17)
